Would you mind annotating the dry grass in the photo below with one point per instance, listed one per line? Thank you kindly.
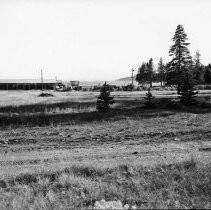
(18, 98)
(181, 185)
(142, 157)
(72, 166)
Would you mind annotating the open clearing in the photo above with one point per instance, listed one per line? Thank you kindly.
(132, 137)
(17, 98)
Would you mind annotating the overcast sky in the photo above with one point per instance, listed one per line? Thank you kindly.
(95, 39)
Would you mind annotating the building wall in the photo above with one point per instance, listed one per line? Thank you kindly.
(27, 86)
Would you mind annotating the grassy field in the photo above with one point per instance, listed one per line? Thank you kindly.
(18, 98)
(150, 158)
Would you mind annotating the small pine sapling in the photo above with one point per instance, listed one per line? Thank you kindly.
(104, 100)
(149, 99)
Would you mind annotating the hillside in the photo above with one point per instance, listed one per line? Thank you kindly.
(125, 78)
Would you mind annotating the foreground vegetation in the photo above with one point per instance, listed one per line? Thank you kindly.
(179, 185)
(141, 157)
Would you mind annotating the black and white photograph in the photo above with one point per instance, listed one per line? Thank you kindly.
(105, 104)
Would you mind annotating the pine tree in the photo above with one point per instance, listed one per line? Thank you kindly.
(104, 99)
(161, 71)
(150, 71)
(145, 73)
(198, 68)
(207, 74)
(141, 76)
(187, 93)
(170, 75)
(181, 57)
(197, 61)
(149, 98)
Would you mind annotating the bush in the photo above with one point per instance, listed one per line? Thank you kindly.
(45, 95)
(149, 99)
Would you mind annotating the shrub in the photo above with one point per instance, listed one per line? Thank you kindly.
(45, 95)
(149, 99)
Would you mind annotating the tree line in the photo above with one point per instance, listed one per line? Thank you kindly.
(183, 71)
(171, 73)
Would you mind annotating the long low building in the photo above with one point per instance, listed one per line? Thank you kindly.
(28, 84)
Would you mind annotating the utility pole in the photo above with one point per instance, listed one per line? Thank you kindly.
(132, 77)
(42, 78)
(55, 83)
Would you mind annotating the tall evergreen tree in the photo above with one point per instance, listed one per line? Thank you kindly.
(197, 61)
(207, 74)
(141, 76)
(150, 71)
(198, 69)
(181, 58)
(187, 93)
(104, 100)
(171, 74)
(161, 71)
(145, 73)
